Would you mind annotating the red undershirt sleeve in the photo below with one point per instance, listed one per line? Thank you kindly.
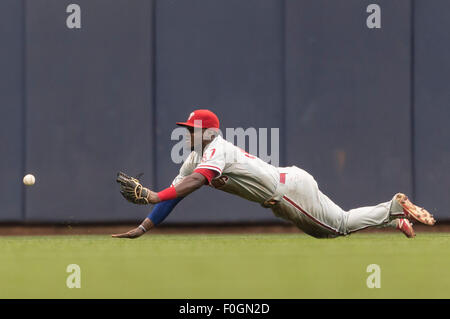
(208, 173)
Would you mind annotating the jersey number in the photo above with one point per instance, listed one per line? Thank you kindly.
(210, 156)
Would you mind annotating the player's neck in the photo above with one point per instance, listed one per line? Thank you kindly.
(206, 143)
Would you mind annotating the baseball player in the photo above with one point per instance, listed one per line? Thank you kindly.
(290, 192)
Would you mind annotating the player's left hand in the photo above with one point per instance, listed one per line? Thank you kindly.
(134, 233)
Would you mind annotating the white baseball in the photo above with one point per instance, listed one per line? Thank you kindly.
(29, 179)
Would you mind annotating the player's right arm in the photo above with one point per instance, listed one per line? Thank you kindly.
(195, 173)
(210, 166)
(185, 187)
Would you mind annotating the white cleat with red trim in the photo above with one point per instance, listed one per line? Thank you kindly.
(405, 226)
(412, 211)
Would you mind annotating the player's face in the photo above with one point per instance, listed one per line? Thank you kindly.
(190, 140)
(193, 141)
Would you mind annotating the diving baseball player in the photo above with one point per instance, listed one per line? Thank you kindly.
(290, 192)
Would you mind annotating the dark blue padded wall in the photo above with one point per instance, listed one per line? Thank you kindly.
(82, 104)
(431, 105)
(222, 55)
(89, 108)
(348, 98)
(11, 110)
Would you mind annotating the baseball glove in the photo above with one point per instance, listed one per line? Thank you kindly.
(132, 189)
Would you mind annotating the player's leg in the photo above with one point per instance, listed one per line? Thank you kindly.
(405, 226)
(316, 214)
(328, 220)
(401, 224)
(384, 213)
(390, 214)
(369, 216)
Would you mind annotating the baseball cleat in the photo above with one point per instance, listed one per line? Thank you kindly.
(412, 211)
(405, 226)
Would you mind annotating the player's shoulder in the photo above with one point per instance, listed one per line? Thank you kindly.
(217, 144)
(189, 164)
(193, 157)
(220, 143)
(191, 160)
(218, 140)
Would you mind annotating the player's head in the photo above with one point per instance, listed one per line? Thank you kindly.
(202, 121)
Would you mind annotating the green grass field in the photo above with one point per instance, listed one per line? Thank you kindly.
(226, 266)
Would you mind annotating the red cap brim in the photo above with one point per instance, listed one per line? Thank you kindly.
(188, 124)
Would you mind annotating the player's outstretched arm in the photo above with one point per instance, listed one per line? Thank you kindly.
(133, 191)
(185, 187)
(156, 216)
(165, 202)
(146, 225)
(189, 184)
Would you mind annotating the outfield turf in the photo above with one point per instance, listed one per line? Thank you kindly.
(226, 266)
